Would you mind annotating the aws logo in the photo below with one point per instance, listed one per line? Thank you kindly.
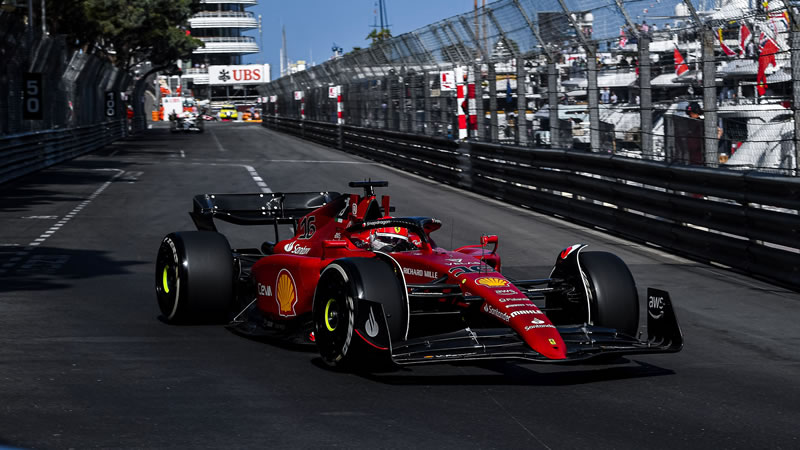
(286, 290)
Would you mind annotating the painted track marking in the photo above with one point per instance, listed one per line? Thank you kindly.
(259, 181)
(219, 145)
(25, 252)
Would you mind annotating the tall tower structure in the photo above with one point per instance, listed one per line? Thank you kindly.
(284, 57)
(220, 25)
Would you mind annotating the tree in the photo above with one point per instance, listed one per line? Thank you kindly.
(378, 36)
(125, 32)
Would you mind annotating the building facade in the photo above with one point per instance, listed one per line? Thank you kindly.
(221, 26)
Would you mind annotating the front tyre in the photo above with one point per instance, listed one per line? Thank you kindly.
(350, 330)
(615, 301)
(194, 277)
(334, 315)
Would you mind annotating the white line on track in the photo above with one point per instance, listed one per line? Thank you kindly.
(322, 162)
(19, 256)
(250, 169)
(253, 174)
(259, 181)
(219, 145)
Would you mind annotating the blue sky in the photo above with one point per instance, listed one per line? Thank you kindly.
(312, 26)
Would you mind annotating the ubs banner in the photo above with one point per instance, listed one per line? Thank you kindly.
(241, 74)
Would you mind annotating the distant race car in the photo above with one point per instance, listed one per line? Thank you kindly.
(187, 122)
(228, 112)
(371, 289)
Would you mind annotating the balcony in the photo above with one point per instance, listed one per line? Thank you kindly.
(197, 75)
(223, 19)
(244, 44)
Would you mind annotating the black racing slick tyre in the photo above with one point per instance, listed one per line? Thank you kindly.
(341, 287)
(615, 301)
(194, 277)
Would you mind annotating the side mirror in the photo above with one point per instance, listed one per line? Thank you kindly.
(490, 239)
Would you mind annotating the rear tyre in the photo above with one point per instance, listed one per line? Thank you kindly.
(194, 277)
(615, 301)
(341, 285)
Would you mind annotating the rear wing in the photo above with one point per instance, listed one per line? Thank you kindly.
(272, 208)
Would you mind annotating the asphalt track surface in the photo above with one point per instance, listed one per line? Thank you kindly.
(85, 361)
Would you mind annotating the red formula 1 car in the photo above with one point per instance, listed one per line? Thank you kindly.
(370, 288)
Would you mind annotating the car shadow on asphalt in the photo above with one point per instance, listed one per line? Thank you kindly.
(509, 373)
(50, 268)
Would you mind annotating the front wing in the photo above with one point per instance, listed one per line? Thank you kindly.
(584, 342)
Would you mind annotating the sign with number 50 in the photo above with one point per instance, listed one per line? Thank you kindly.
(32, 96)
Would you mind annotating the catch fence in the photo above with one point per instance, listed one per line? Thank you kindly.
(56, 103)
(602, 76)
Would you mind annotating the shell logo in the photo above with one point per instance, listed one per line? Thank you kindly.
(492, 282)
(286, 291)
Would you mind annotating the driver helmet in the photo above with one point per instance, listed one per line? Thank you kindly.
(388, 237)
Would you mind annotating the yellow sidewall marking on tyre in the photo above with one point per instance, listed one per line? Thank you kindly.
(327, 317)
(164, 280)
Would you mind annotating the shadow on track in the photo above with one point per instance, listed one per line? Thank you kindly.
(50, 268)
(508, 373)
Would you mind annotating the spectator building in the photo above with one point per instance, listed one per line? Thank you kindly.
(221, 26)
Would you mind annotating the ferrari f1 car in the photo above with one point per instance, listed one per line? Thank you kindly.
(370, 288)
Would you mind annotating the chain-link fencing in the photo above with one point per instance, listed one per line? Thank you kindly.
(688, 82)
(56, 104)
(45, 86)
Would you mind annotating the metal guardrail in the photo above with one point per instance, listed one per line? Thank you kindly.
(22, 154)
(746, 220)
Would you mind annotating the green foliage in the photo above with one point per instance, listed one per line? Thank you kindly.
(126, 32)
(378, 36)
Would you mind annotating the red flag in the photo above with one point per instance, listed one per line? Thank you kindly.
(622, 39)
(725, 49)
(680, 64)
(744, 38)
(765, 59)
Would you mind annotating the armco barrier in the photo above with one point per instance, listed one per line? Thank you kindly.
(22, 154)
(746, 220)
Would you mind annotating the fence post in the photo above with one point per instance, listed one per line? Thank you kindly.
(386, 106)
(669, 138)
(494, 135)
(401, 102)
(522, 103)
(552, 100)
(413, 123)
(795, 40)
(461, 103)
(710, 141)
(645, 99)
(302, 114)
(471, 104)
(594, 104)
(480, 118)
(426, 110)
(339, 117)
